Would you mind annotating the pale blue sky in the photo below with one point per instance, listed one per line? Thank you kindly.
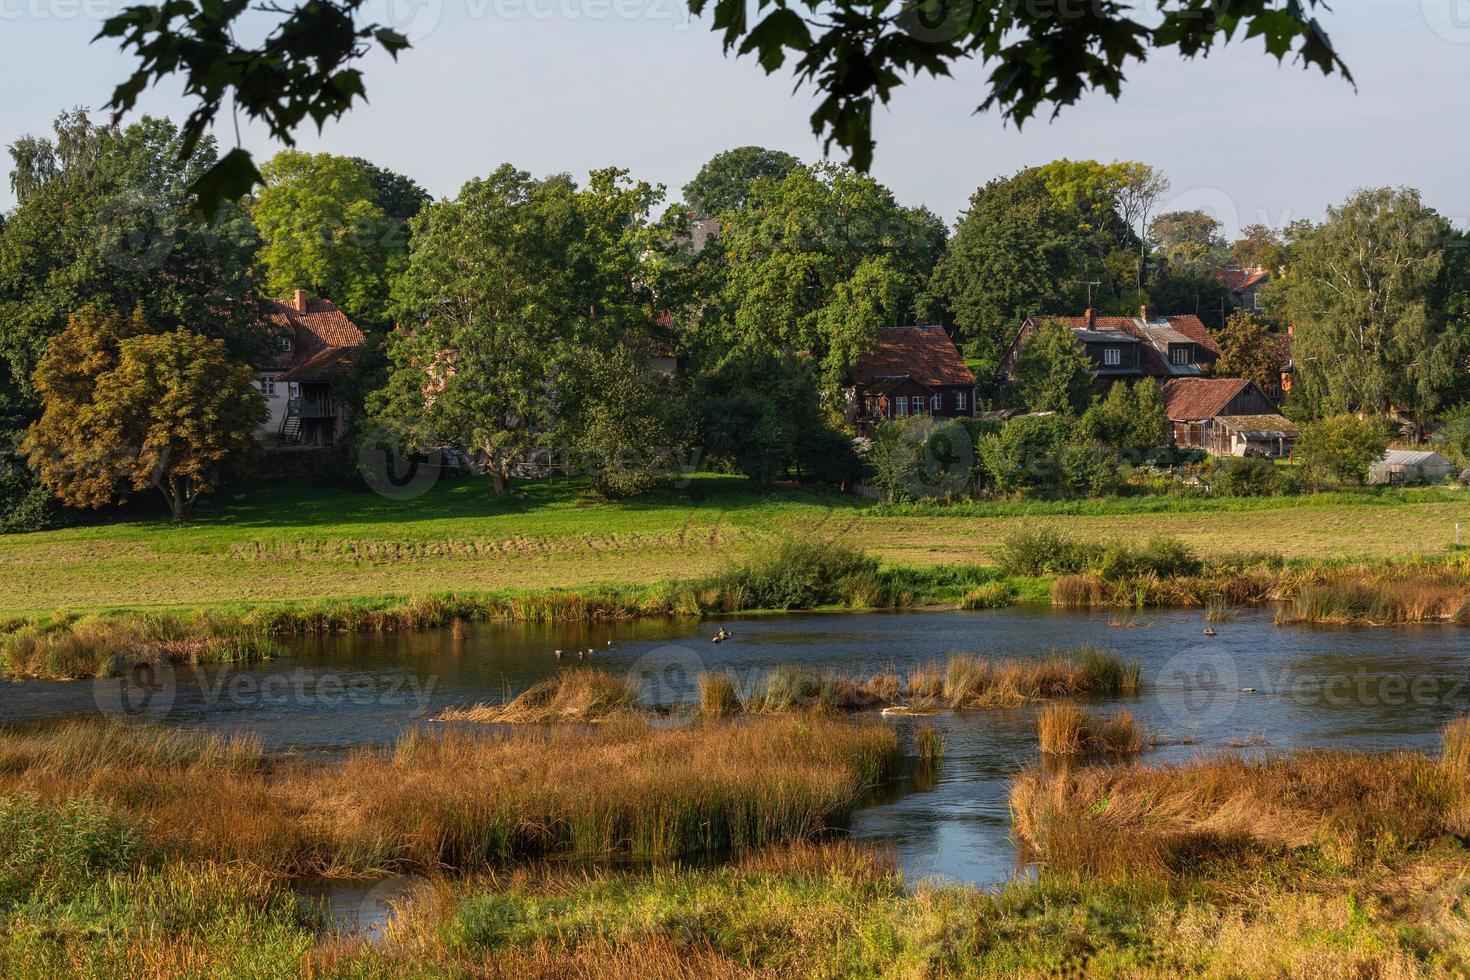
(633, 83)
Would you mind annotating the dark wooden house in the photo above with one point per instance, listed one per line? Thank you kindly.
(1125, 348)
(314, 343)
(912, 371)
(1226, 417)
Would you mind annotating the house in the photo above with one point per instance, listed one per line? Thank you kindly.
(1244, 286)
(911, 371)
(1125, 348)
(1401, 466)
(314, 343)
(1226, 417)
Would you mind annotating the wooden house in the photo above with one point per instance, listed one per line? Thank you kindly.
(1226, 417)
(911, 371)
(1125, 348)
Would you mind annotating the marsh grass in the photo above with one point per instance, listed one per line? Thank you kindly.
(929, 744)
(1381, 597)
(1068, 729)
(719, 697)
(457, 800)
(1219, 609)
(578, 694)
(1456, 740)
(993, 595)
(1342, 808)
(94, 646)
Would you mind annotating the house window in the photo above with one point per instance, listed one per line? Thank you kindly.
(1112, 356)
(1179, 355)
(1256, 301)
(959, 401)
(283, 345)
(901, 405)
(268, 386)
(936, 403)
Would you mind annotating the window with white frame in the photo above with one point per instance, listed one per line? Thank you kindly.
(901, 405)
(936, 403)
(1112, 356)
(1179, 355)
(268, 385)
(959, 400)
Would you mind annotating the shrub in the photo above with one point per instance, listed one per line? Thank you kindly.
(1041, 551)
(799, 574)
(994, 595)
(1246, 477)
(1340, 448)
(1160, 555)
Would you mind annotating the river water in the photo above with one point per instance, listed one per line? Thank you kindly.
(1252, 687)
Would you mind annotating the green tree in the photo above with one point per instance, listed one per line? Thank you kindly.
(723, 184)
(1364, 294)
(1053, 372)
(759, 411)
(1189, 240)
(105, 221)
(126, 409)
(1184, 292)
(1340, 448)
(626, 425)
(323, 230)
(1011, 257)
(1250, 349)
(1259, 246)
(504, 282)
(856, 53)
(1130, 420)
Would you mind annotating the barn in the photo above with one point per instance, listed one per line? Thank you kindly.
(1226, 417)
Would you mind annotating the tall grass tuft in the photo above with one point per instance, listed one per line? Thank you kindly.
(718, 695)
(580, 694)
(929, 744)
(992, 595)
(1066, 728)
(1078, 591)
(1457, 745)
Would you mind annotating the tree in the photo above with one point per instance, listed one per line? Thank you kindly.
(126, 409)
(1053, 372)
(1364, 295)
(1189, 240)
(105, 221)
(1249, 349)
(1258, 247)
(759, 411)
(1011, 257)
(819, 261)
(1190, 292)
(1340, 448)
(322, 229)
(504, 282)
(626, 425)
(723, 184)
(400, 197)
(856, 53)
(1109, 201)
(1130, 420)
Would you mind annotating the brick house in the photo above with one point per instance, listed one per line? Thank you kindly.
(911, 371)
(314, 343)
(1226, 417)
(1125, 348)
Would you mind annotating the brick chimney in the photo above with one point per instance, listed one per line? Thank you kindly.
(1091, 318)
(1144, 312)
(299, 301)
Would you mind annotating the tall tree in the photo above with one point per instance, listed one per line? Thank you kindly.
(1053, 372)
(1361, 295)
(1011, 256)
(1259, 246)
(1189, 240)
(323, 229)
(855, 52)
(503, 281)
(1250, 349)
(126, 410)
(723, 184)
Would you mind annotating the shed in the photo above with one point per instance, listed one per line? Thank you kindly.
(1399, 466)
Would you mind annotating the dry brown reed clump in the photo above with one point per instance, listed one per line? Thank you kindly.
(459, 800)
(1351, 807)
(970, 682)
(579, 694)
(719, 697)
(1067, 728)
(1078, 591)
(1457, 746)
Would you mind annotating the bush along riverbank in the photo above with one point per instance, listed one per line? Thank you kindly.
(1034, 566)
(122, 854)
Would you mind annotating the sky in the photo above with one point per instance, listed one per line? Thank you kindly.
(572, 85)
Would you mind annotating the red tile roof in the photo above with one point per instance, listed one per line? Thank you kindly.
(925, 354)
(1239, 280)
(1191, 326)
(1193, 399)
(321, 337)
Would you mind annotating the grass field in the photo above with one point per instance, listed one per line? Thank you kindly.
(290, 543)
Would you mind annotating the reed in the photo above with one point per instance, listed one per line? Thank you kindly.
(1130, 821)
(579, 694)
(1456, 741)
(718, 695)
(1067, 728)
(456, 799)
(96, 646)
(1219, 609)
(929, 744)
(992, 595)
(1078, 591)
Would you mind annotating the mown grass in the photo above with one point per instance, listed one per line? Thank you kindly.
(454, 800)
(288, 543)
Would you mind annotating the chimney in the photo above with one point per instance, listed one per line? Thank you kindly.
(1091, 318)
(1143, 312)
(300, 301)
